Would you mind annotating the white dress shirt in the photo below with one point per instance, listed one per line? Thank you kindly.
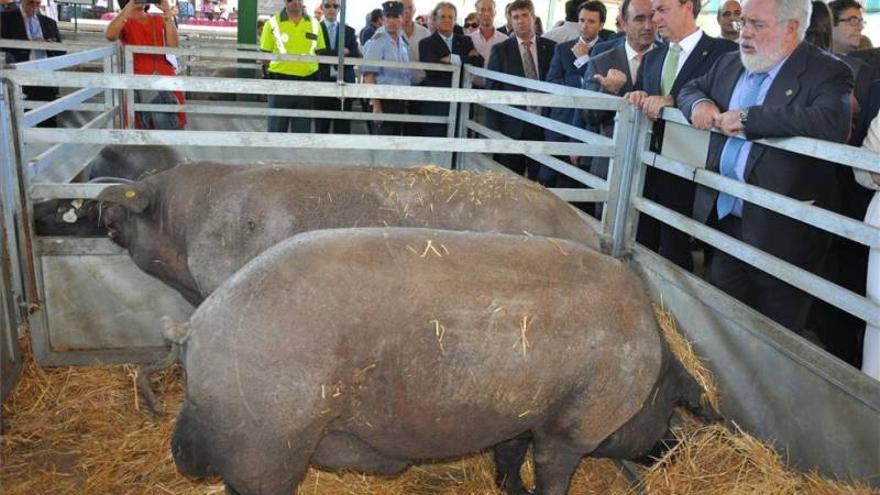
(633, 59)
(687, 47)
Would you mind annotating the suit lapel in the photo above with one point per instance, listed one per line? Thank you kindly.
(728, 82)
(693, 62)
(515, 58)
(619, 61)
(785, 86)
(653, 72)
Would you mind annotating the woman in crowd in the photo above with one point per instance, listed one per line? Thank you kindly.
(871, 349)
(471, 23)
(134, 26)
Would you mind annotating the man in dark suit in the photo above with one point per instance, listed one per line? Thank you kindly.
(614, 72)
(27, 23)
(777, 86)
(567, 68)
(444, 47)
(525, 55)
(326, 72)
(689, 54)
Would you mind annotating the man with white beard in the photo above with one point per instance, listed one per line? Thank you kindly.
(778, 85)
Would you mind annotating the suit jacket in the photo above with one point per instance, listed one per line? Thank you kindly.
(433, 48)
(607, 44)
(353, 51)
(562, 71)
(871, 57)
(705, 53)
(12, 28)
(614, 58)
(809, 97)
(671, 190)
(505, 57)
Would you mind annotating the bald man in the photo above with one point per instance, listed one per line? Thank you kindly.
(729, 13)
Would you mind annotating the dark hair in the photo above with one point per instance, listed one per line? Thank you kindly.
(838, 6)
(819, 30)
(624, 6)
(375, 15)
(594, 6)
(571, 10)
(519, 5)
(695, 4)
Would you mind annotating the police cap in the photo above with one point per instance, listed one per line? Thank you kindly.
(392, 8)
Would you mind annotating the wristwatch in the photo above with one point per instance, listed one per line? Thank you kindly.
(744, 115)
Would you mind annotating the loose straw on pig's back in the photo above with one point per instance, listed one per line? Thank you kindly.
(477, 188)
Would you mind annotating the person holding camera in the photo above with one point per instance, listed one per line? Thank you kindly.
(135, 26)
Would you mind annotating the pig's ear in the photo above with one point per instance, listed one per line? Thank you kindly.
(135, 197)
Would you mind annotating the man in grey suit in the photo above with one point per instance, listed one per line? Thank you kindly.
(776, 86)
(614, 71)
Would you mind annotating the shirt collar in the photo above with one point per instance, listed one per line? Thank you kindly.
(447, 39)
(690, 42)
(590, 43)
(631, 52)
(534, 40)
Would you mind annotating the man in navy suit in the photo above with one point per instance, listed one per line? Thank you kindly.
(525, 55)
(567, 68)
(330, 25)
(663, 72)
(614, 72)
(776, 86)
(27, 23)
(444, 47)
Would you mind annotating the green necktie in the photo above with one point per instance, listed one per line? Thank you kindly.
(670, 66)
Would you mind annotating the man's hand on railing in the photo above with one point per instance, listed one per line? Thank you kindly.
(704, 115)
(635, 98)
(653, 105)
(729, 122)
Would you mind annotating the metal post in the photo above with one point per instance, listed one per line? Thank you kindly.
(129, 93)
(463, 119)
(632, 183)
(340, 45)
(247, 28)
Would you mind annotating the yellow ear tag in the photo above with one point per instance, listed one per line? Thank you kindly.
(130, 194)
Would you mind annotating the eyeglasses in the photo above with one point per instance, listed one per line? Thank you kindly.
(853, 21)
(757, 26)
(331, 5)
(472, 24)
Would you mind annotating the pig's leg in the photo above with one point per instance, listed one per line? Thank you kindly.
(509, 458)
(556, 459)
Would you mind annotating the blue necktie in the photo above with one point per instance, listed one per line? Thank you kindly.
(34, 27)
(733, 146)
(333, 36)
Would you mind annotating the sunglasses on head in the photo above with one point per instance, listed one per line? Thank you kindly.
(331, 5)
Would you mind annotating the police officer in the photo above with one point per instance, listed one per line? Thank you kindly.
(389, 44)
(291, 32)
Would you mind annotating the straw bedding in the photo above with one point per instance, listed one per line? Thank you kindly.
(78, 430)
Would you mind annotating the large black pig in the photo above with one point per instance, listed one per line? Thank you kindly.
(194, 226)
(369, 349)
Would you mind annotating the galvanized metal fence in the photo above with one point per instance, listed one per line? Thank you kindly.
(755, 354)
